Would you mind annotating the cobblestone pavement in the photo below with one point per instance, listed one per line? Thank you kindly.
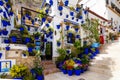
(105, 66)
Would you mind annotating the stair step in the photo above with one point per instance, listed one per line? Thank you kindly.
(49, 66)
(50, 70)
(100, 70)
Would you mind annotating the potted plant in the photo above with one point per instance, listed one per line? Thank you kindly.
(6, 41)
(76, 27)
(58, 26)
(30, 47)
(29, 76)
(37, 35)
(18, 71)
(0, 55)
(4, 32)
(58, 43)
(26, 38)
(25, 53)
(7, 48)
(64, 69)
(4, 22)
(77, 68)
(13, 37)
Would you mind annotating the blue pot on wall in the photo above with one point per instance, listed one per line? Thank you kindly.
(58, 44)
(85, 11)
(36, 37)
(6, 1)
(45, 40)
(7, 48)
(1, 3)
(43, 19)
(82, 22)
(21, 29)
(0, 55)
(47, 25)
(6, 41)
(4, 32)
(0, 33)
(14, 38)
(66, 3)
(76, 29)
(60, 13)
(71, 13)
(58, 26)
(86, 50)
(27, 40)
(4, 14)
(77, 72)
(78, 36)
(70, 72)
(72, 18)
(67, 16)
(67, 27)
(30, 49)
(51, 37)
(80, 17)
(4, 22)
(60, 8)
(1, 10)
(51, 2)
(70, 34)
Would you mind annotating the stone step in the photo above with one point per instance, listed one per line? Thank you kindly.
(100, 70)
(50, 71)
(47, 62)
(49, 66)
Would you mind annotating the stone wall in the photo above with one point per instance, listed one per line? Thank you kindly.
(20, 59)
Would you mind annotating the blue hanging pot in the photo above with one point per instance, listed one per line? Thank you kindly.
(60, 13)
(0, 33)
(51, 2)
(67, 16)
(82, 22)
(13, 39)
(67, 27)
(45, 40)
(7, 48)
(58, 44)
(21, 29)
(47, 11)
(50, 33)
(80, 17)
(1, 10)
(43, 19)
(4, 14)
(58, 26)
(8, 23)
(72, 18)
(77, 9)
(1, 3)
(78, 36)
(77, 20)
(4, 32)
(23, 18)
(71, 13)
(6, 41)
(66, 3)
(0, 55)
(36, 37)
(27, 40)
(60, 8)
(85, 11)
(28, 28)
(33, 22)
(8, 6)
(76, 29)
(4, 22)
(47, 25)
(30, 49)
(6, 1)
(51, 37)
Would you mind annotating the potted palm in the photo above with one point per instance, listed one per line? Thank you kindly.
(76, 28)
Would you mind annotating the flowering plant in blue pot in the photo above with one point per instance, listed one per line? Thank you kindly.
(4, 22)
(7, 48)
(13, 37)
(58, 26)
(76, 27)
(58, 43)
(60, 8)
(67, 27)
(37, 35)
(77, 68)
(4, 32)
(66, 3)
(0, 55)
(64, 69)
(1, 10)
(1, 3)
(6, 41)
(30, 47)
(71, 13)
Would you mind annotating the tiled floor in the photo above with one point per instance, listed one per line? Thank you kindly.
(106, 66)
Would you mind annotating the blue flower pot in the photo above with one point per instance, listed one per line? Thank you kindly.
(60, 13)
(77, 9)
(43, 19)
(0, 33)
(76, 29)
(82, 22)
(51, 37)
(28, 28)
(1, 10)
(67, 16)
(24, 55)
(0, 55)
(27, 40)
(82, 70)
(78, 36)
(66, 3)
(70, 34)
(33, 22)
(1, 3)
(36, 37)
(86, 50)
(4, 32)
(45, 40)
(64, 71)
(6, 1)
(4, 14)
(30, 49)
(91, 57)
(77, 20)
(40, 77)
(70, 72)
(4, 22)
(72, 18)
(68, 51)
(8, 6)
(6, 41)
(58, 26)
(80, 17)
(11, 13)
(77, 72)
(58, 44)
(67, 27)
(7, 48)
(8, 23)
(71, 13)
(14, 38)
(46, 11)
(85, 11)
(21, 29)
(50, 33)
(47, 25)
(97, 50)
(60, 8)
(51, 2)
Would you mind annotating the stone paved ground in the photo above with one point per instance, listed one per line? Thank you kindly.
(106, 66)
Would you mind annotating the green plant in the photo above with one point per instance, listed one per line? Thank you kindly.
(3, 75)
(31, 45)
(37, 34)
(29, 76)
(18, 71)
(85, 59)
(39, 70)
(48, 49)
(13, 34)
(26, 52)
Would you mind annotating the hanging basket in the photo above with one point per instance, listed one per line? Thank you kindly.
(66, 3)
(67, 27)
(60, 8)
(80, 17)
(7, 48)
(58, 44)
(4, 32)
(58, 26)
